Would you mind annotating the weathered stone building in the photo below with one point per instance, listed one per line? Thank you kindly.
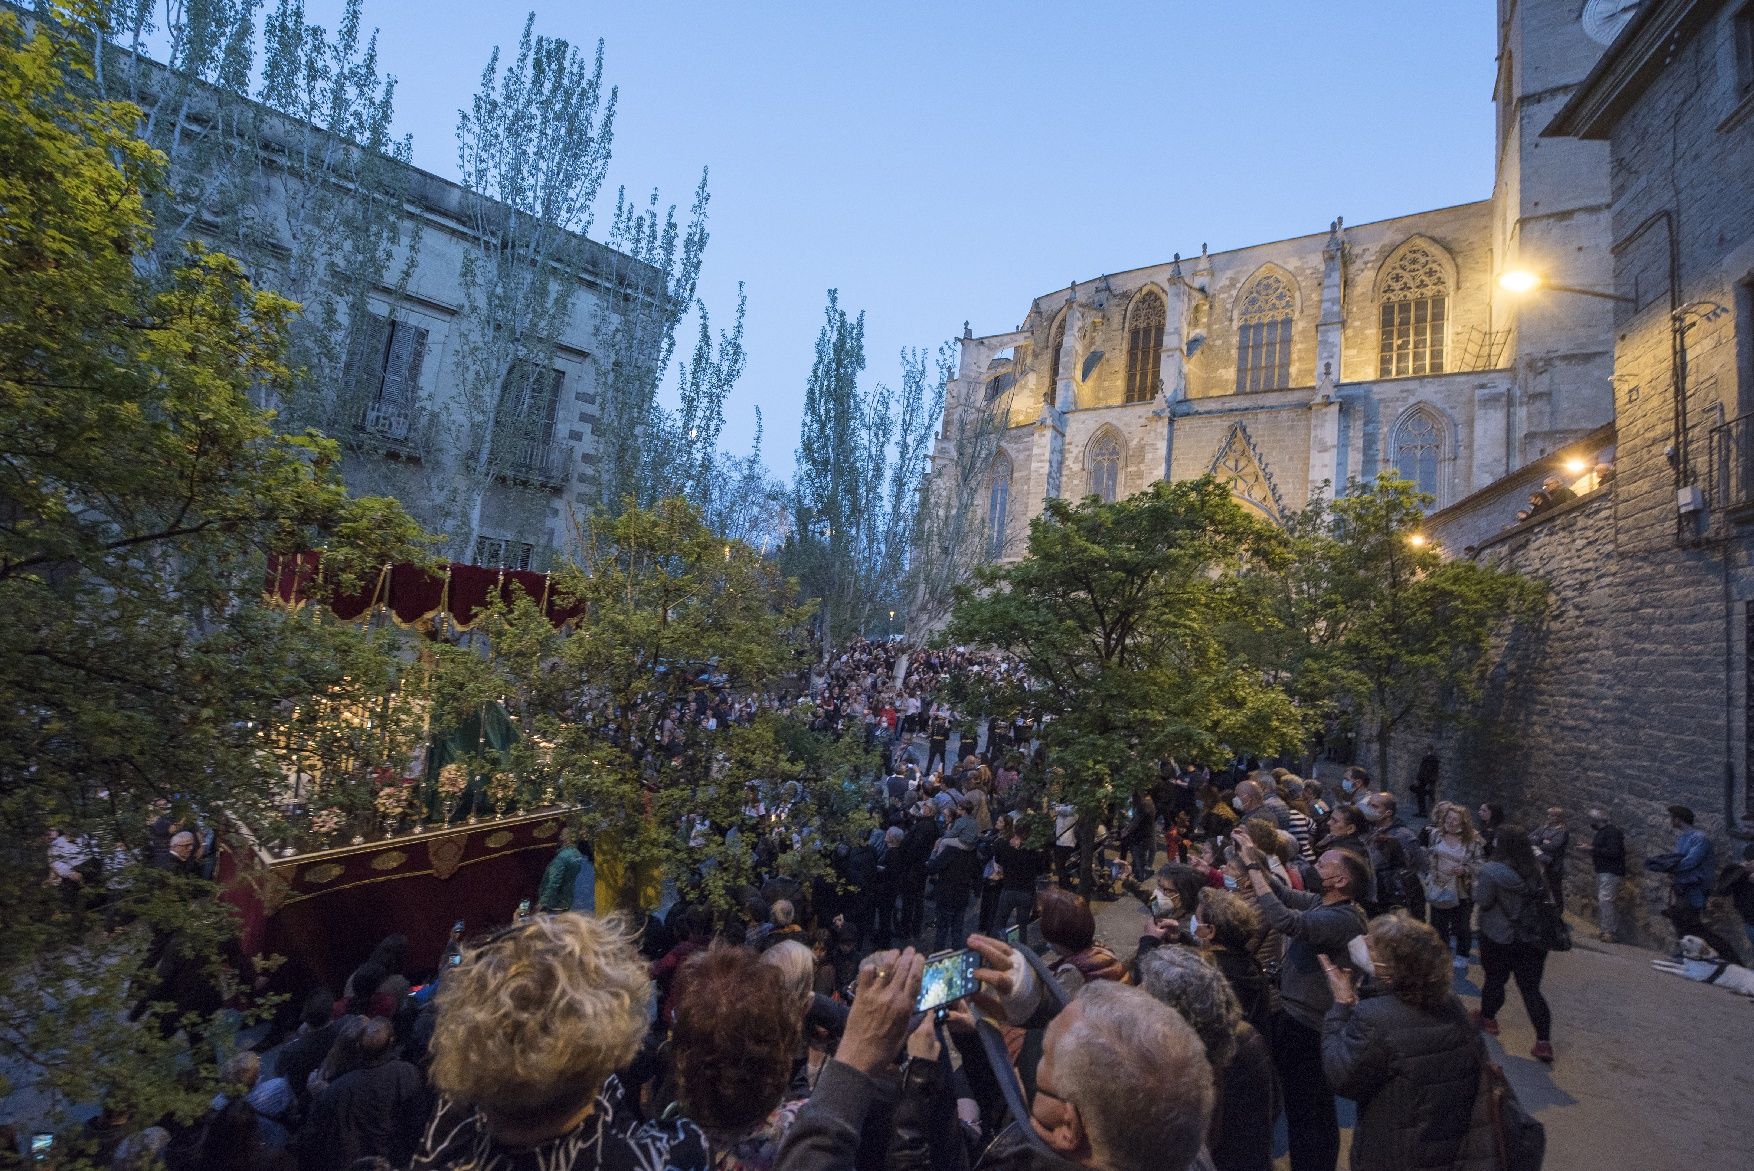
(1292, 367)
(1635, 692)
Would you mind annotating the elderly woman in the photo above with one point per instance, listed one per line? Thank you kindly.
(1227, 928)
(1408, 1055)
(1240, 1135)
(532, 1025)
(735, 1044)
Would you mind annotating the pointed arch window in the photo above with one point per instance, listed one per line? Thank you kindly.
(1145, 346)
(998, 508)
(1263, 347)
(1105, 466)
(1414, 315)
(1418, 450)
(1056, 339)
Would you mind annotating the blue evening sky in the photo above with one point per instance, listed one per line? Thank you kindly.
(946, 161)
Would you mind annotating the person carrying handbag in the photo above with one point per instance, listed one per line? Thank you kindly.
(1509, 880)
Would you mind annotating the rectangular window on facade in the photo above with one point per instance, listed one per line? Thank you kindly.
(1413, 337)
(387, 358)
(500, 553)
(529, 403)
(1263, 360)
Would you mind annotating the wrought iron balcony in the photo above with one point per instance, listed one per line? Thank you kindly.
(541, 462)
(1732, 468)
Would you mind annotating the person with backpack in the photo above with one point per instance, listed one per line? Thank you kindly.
(1509, 893)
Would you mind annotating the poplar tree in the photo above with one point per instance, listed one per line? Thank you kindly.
(535, 145)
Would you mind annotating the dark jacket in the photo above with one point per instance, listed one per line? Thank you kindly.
(1021, 865)
(377, 1110)
(1311, 929)
(1243, 972)
(908, 860)
(1241, 1135)
(1413, 1074)
(954, 869)
(1608, 851)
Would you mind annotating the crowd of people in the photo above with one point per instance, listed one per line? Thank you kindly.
(1298, 943)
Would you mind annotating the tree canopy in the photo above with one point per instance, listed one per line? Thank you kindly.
(1127, 621)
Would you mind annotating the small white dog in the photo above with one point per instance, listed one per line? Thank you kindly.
(1702, 965)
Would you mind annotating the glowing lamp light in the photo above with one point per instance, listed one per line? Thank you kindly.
(1417, 540)
(1576, 467)
(1518, 280)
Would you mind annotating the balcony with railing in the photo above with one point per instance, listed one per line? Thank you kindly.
(1732, 469)
(389, 428)
(541, 463)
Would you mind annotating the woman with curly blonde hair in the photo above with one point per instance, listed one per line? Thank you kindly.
(1407, 1055)
(1453, 858)
(532, 1025)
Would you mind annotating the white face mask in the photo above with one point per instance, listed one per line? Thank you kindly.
(1360, 953)
(1193, 926)
(1236, 803)
(1162, 906)
(1347, 786)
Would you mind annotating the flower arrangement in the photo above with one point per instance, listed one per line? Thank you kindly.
(392, 799)
(327, 821)
(452, 780)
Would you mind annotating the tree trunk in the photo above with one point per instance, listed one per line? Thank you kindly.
(1086, 855)
(1383, 738)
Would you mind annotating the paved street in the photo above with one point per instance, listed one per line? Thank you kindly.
(1652, 1073)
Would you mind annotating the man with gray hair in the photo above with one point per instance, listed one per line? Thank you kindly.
(1123, 1083)
(1152, 1116)
(1241, 1131)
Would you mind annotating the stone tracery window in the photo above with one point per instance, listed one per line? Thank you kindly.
(1145, 346)
(998, 507)
(1263, 343)
(1105, 466)
(1418, 450)
(1414, 315)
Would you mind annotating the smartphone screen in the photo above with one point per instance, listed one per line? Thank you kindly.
(1014, 935)
(41, 1145)
(455, 958)
(948, 976)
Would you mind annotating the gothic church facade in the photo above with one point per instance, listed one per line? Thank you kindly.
(1289, 368)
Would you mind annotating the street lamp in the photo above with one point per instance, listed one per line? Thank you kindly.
(892, 626)
(1417, 540)
(1521, 280)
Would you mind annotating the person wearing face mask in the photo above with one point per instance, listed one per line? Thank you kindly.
(1354, 783)
(1406, 1054)
(1316, 927)
(1227, 926)
(1171, 907)
(1257, 798)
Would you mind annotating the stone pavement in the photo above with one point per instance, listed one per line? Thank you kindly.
(1652, 1071)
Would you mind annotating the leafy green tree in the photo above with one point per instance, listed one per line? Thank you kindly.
(141, 492)
(1127, 620)
(666, 599)
(1379, 626)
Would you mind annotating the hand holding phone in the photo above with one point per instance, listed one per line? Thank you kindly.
(947, 976)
